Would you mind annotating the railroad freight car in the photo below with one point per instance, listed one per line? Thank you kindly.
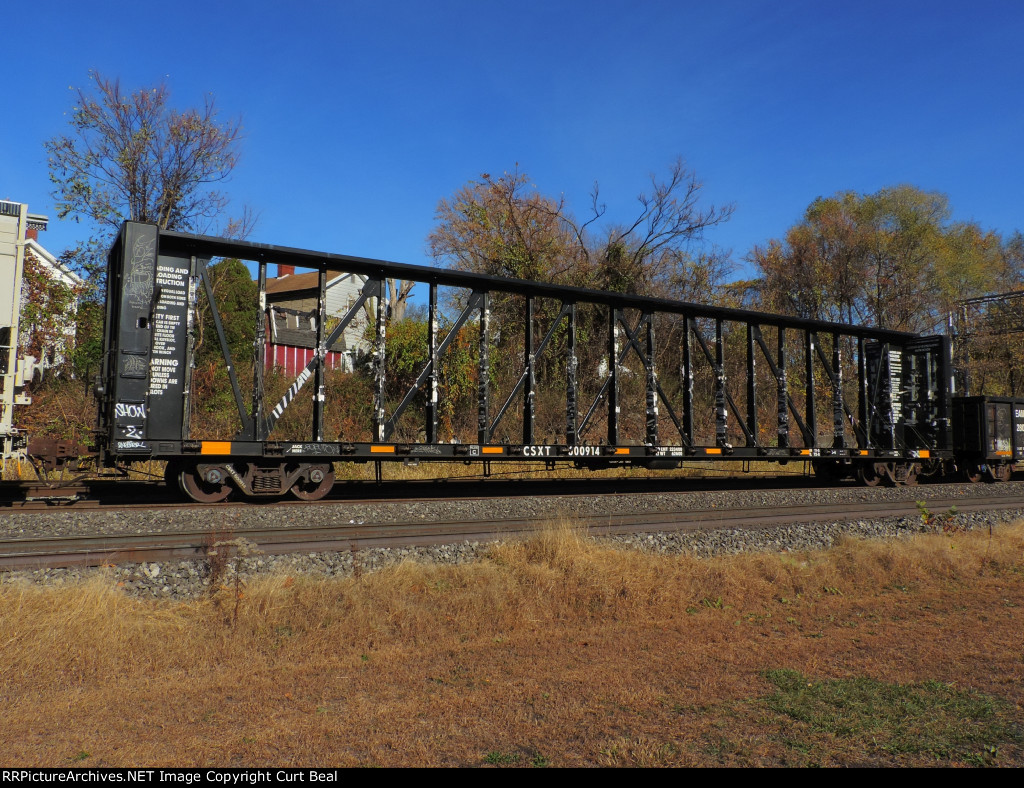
(989, 435)
(587, 378)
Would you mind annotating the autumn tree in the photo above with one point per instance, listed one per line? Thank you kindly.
(131, 156)
(47, 312)
(968, 261)
(892, 259)
(989, 331)
(895, 259)
(1013, 262)
(504, 227)
(818, 270)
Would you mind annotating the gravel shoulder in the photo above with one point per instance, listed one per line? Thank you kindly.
(186, 579)
(61, 522)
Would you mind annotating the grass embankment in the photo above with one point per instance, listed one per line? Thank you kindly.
(555, 652)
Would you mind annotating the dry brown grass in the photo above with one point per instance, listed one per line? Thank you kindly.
(552, 651)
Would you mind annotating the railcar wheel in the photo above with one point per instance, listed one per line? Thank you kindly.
(973, 473)
(868, 475)
(171, 473)
(827, 471)
(204, 485)
(1001, 471)
(909, 476)
(315, 485)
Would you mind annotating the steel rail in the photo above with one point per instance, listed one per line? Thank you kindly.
(97, 550)
(21, 497)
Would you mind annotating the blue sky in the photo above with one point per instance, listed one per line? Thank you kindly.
(360, 116)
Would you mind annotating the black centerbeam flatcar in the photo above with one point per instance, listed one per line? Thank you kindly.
(677, 382)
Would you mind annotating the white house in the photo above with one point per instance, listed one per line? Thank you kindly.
(62, 338)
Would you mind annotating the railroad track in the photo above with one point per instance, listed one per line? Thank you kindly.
(39, 496)
(96, 549)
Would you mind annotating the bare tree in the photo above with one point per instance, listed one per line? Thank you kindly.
(652, 254)
(503, 226)
(130, 156)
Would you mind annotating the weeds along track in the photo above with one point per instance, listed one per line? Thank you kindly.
(296, 534)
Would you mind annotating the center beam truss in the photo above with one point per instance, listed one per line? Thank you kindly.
(703, 346)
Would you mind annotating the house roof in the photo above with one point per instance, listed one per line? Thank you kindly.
(56, 266)
(294, 283)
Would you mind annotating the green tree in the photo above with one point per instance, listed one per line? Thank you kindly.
(235, 295)
(407, 356)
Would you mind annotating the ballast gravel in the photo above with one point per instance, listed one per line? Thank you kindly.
(188, 579)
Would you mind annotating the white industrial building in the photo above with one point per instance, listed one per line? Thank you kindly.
(19, 244)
